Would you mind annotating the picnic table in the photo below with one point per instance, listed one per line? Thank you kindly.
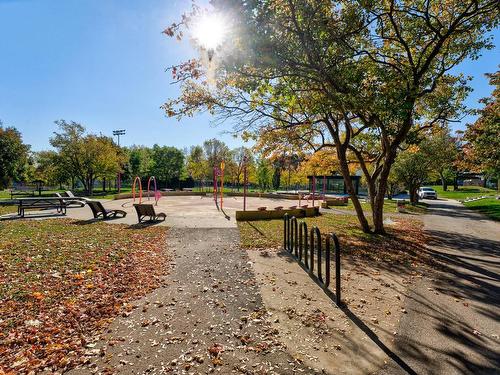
(23, 192)
(43, 203)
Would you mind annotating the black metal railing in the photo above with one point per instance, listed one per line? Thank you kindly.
(306, 248)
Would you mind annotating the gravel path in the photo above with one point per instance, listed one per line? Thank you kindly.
(208, 317)
(452, 325)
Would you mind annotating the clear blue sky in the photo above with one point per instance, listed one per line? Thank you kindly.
(102, 63)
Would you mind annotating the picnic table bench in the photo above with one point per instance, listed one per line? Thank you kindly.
(42, 203)
(14, 193)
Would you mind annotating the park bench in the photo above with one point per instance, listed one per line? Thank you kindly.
(147, 210)
(75, 202)
(42, 203)
(99, 211)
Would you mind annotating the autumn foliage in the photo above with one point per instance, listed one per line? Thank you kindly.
(61, 283)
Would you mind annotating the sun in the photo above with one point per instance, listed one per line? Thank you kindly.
(209, 31)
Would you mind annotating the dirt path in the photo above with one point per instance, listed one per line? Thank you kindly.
(452, 325)
(207, 318)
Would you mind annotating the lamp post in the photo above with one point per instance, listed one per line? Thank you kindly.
(118, 133)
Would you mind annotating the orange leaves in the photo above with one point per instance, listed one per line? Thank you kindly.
(215, 352)
(76, 273)
(37, 295)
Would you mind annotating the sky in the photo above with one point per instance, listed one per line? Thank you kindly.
(102, 63)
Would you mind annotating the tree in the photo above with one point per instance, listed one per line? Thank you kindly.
(168, 163)
(264, 175)
(442, 150)
(482, 138)
(50, 167)
(412, 168)
(241, 156)
(196, 164)
(358, 78)
(13, 155)
(86, 156)
(140, 161)
(215, 152)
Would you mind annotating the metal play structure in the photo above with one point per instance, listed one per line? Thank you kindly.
(219, 175)
(157, 194)
(137, 181)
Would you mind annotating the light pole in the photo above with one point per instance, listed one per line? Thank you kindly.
(118, 133)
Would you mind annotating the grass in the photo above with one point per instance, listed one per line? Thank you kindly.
(463, 192)
(390, 206)
(7, 210)
(404, 243)
(489, 207)
(61, 282)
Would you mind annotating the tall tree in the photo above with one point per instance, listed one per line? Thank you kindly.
(13, 155)
(140, 161)
(196, 164)
(50, 168)
(215, 152)
(412, 168)
(168, 163)
(482, 138)
(264, 176)
(339, 75)
(87, 156)
(242, 156)
(442, 149)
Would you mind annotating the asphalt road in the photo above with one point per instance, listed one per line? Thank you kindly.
(452, 325)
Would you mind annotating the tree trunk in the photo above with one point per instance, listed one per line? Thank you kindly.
(413, 195)
(380, 190)
(344, 169)
(444, 183)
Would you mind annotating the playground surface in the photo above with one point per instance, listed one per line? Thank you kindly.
(181, 211)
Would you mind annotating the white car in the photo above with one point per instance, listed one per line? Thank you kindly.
(427, 193)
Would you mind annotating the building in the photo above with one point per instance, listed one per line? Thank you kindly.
(333, 184)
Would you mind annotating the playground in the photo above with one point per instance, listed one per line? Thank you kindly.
(187, 211)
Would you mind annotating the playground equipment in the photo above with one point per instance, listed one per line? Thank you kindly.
(245, 182)
(137, 179)
(222, 165)
(216, 185)
(157, 194)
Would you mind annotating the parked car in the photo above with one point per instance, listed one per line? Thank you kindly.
(427, 193)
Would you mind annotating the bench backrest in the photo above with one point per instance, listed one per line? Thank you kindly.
(145, 209)
(96, 208)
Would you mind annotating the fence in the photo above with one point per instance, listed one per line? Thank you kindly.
(306, 248)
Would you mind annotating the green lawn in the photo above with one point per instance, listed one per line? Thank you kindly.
(404, 243)
(463, 192)
(7, 210)
(57, 272)
(390, 206)
(488, 207)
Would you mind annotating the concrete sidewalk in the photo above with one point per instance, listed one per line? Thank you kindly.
(452, 325)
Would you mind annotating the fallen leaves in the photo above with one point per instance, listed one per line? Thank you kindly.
(63, 282)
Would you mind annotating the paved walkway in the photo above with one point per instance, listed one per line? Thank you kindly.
(208, 317)
(452, 325)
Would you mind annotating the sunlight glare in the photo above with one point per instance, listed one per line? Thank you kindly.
(209, 31)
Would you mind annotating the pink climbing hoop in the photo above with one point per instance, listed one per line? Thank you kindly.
(157, 194)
